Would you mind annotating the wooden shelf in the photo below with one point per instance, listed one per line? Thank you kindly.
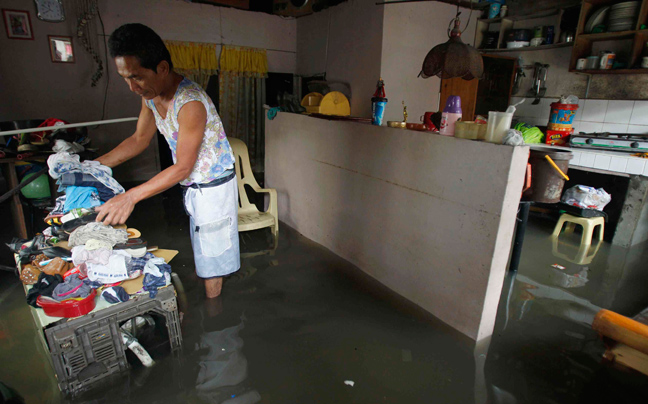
(549, 17)
(604, 36)
(584, 43)
(465, 4)
(530, 48)
(540, 14)
(612, 71)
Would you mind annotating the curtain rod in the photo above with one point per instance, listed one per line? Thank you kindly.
(69, 125)
(222, 44)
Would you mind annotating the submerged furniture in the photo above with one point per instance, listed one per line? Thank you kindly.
(588, 224)
(249, 217)
(585, 255)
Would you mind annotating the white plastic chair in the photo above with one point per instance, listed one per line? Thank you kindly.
(249, 217)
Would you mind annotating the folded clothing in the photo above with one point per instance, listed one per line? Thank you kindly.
(97, 231)
(81, 197)
(115, 294)
(63, 162)
(43, 287)
(85, 180)
(114, 271)
(71, 287)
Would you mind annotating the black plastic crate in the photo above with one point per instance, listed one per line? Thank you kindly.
(88, 349)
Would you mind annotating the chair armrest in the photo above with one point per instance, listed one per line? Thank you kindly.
(272, 206)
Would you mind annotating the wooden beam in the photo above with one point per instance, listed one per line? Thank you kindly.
(242, 4)
(622, 329)
(466, 4)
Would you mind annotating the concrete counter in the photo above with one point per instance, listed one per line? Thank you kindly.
(429, 216)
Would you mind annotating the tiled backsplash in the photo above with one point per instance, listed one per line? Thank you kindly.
(609, 161)
(592, 116)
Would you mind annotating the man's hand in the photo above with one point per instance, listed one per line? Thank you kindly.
(116, 210)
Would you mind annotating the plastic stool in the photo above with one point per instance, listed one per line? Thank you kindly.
(588, 224)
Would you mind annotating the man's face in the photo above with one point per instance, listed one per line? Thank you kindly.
(144, 82)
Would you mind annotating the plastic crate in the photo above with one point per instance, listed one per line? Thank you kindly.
(90, 348)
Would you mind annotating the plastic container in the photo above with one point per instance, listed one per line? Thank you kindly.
(546, 183)
(89, 349)
(558, 137)
(562, 116)
(470, 130)
(378, 105)
(451, 114)
(68, 308)
(498, 124)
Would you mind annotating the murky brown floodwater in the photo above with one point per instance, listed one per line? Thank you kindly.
(294, 324)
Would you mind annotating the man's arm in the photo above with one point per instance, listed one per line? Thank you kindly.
(136, 143)
(192, 119)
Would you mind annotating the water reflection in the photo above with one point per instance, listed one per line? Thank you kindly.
(224, 368)
(544, 349)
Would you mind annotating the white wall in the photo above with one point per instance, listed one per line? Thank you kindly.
(354, 43)
(410, 31)
(183, 21)
(406, 207)
(34, 87)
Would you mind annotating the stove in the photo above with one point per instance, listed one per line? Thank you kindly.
(621, 142)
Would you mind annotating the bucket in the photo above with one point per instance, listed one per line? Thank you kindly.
(562, 116)
(546, 183)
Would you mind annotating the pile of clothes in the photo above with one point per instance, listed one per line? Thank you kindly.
(99, 257)
(102, 258)
(86, 185)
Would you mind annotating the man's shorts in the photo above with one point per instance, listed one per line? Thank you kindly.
(213, 213)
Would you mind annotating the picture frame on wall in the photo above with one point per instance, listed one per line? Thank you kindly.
(61, 49)
(18, 24)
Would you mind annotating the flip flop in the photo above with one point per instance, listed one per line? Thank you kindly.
(72, 225)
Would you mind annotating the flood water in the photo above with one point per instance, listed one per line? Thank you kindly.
(301, 325)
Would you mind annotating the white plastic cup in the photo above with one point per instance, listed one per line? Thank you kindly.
(498, 124)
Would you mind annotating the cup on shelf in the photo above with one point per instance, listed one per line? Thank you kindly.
(592, 63)
(498, 124)
(607, 60)
(536, 41)
(581, 63)
(644, 62)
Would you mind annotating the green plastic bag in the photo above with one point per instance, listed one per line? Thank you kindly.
(530, 134)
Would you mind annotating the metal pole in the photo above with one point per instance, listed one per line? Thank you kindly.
(28, 181)
(522, 218)
(69, 125)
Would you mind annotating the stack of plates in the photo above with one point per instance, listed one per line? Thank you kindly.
(622, 16)
(597, 18)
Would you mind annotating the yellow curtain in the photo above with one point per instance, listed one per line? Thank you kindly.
(241, 97)
(246, 62)
(196, 61)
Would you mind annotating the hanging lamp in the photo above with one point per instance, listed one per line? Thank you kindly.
(453, 58)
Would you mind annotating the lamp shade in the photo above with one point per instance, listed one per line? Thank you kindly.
(453, 59)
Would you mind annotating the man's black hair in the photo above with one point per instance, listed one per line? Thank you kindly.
(140, 41)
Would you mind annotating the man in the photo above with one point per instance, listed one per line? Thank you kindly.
(203, 158)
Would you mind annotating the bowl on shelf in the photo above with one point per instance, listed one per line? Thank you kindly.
(517, 44)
